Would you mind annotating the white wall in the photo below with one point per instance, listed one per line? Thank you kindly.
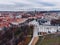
(44, 28)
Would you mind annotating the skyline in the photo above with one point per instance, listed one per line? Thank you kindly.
(16, 5)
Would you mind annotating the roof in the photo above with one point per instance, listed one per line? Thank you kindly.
(18, 21)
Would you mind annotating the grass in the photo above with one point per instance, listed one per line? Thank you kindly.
(49, 40)
(40, 39)
(35, 40)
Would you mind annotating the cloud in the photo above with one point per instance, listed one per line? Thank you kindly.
(29, 4)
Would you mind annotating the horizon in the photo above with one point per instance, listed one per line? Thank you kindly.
(23, 5)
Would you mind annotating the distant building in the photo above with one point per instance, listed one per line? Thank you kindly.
(55, 22)
(19, 16)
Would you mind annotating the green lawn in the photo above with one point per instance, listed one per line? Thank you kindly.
(40, 39)
(49, 40)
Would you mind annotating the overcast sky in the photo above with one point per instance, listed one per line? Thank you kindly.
(29, 4)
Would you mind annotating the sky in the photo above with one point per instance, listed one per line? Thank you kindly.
(16, 5)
